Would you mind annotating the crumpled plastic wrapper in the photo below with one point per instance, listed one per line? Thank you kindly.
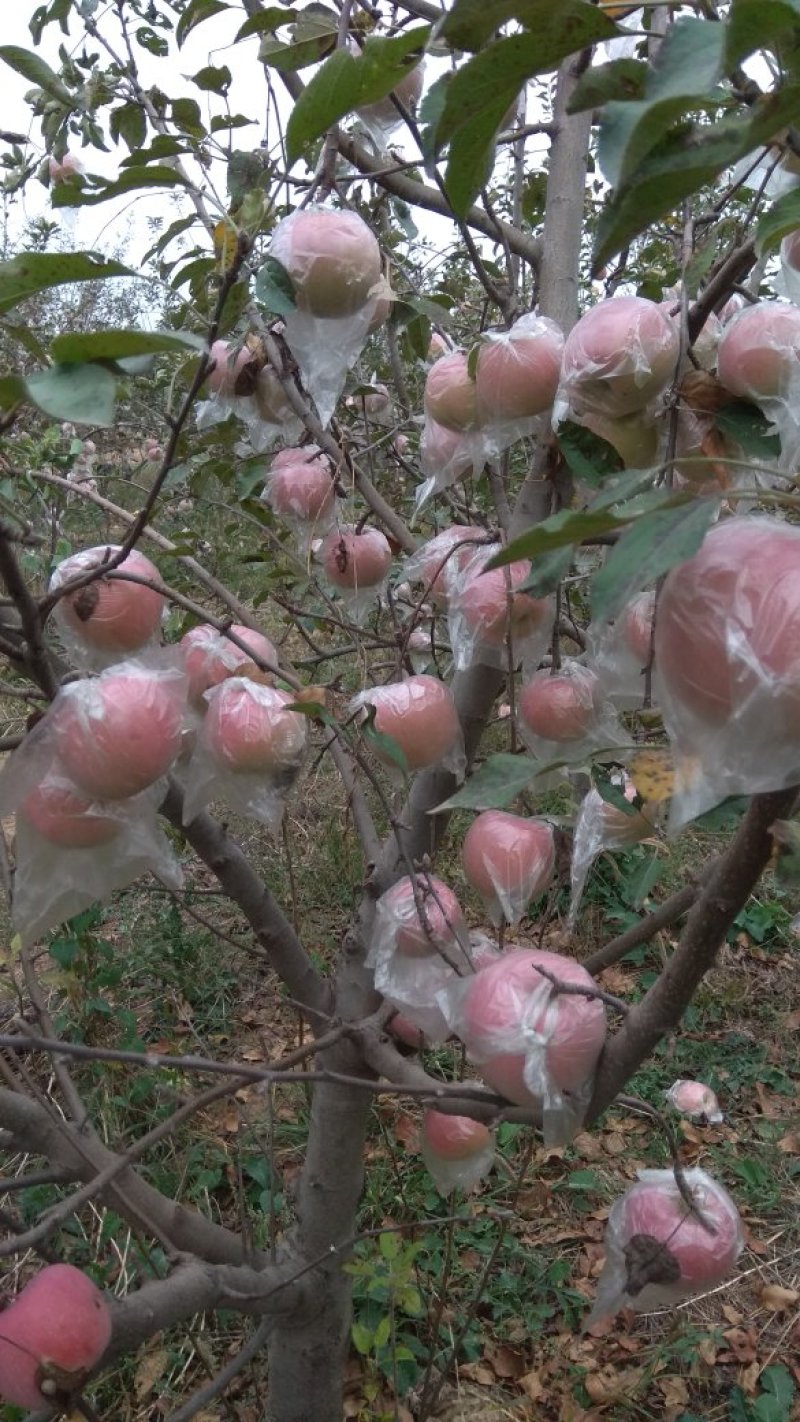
(758, 361)
(248, 753)
(564, 715)
(485, 607)
(788, 283)
(619, 652)
(516, 379)
(615, 369)
(411, 964)
(110, 618)
(727, 665)
(533, 1045)
(458, 1152)
(602, 826)
(419, 715)
(72, 852)
(266, 413)
(695, 1101)
(302, 495)
(326, 346)
(508, 860)
(433, 563)
(210, 658)
(445, 457)
(658, 1251)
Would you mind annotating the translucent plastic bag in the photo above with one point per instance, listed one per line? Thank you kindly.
(564, 715)
(516, 379)
(758, 361)
(433, 564)
(620, 357)
(658, 1251)
(696, 1101)
(727, 664)
(509, 861)
(485, 610)
(72, 852)
(302, 494)
(209, 658)
(420, 944)
(601, 826)
(419, 715)
(248, 752)
(445, 457)
(619, 652)
(458, 1152)
(334, 263)
(533, 1045)
(110, 618)
(356, 563)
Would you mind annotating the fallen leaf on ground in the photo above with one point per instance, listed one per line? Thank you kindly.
(777, 1299)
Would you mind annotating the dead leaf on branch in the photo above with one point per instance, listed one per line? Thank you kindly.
(648, 1261)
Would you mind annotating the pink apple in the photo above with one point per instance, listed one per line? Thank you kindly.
(437, 560)
(210, 658)
(299, 454)
(408, 91)
(443, 924)
(620, 356)
(109, 615)
(509, 1002)
(561, 706)
(302, 492)
(61, 170)
(419, 715)
(249, 730)
(53, 1333)
(382, 302)
(332, 258)
(63, 817)
(695, 1100)
(728, 622)
(120, 732)
(518, 370)
(437, 346)
(637, 626)
(655, 1207)
(759, 351)
(355, 560)
(454, 1137)
(491, 608)
(451, 397)
(508, 860)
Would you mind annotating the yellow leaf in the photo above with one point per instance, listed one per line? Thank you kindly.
(151, 1368)
(777, 1299)
(653, 773)
(226, 240)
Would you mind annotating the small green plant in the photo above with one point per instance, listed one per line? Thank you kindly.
(774, 1401)
(385, 1298)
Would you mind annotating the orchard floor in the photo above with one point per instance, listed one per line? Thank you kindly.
(148, 972)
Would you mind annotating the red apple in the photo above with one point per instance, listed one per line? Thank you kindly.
(561, 706)
(759, 351)
(120, 732)
(509, 1001)
(63, 817)
(444, 921)
(51, 1336)
(491, 608)
(249, 730)
(654, 1207)
(210, 658)
(728, 624)
(419, 714)
(454, 1137)
(695, 1100)
(332, 258)
(619, 357)
(302, 492)
(451, 397)
(518, 370)
(508, 860)
(355, 560)
(109, 615)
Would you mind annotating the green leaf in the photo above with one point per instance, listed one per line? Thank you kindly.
(385, 747)
(472, 153)
(560, 530)
(382, 1332)
(362, 1338)
(590, 458)
(213, 80)
(274, 288)
(264, 22)
(619, 79)
(73, 195)
(547, 571)
(755, 24)
(389, 1244)
(119, 345)
(646, 550)
(82, 394)
(347, 82)
(313, 37)
(781, 219)
(12, 391)
(688, 68)
(30, 272)
(779, 1392)
(195, 13)
(471, 22)
(129, 123)
(494, 784)
(31, 67)
(186, 117)
(748, 427)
